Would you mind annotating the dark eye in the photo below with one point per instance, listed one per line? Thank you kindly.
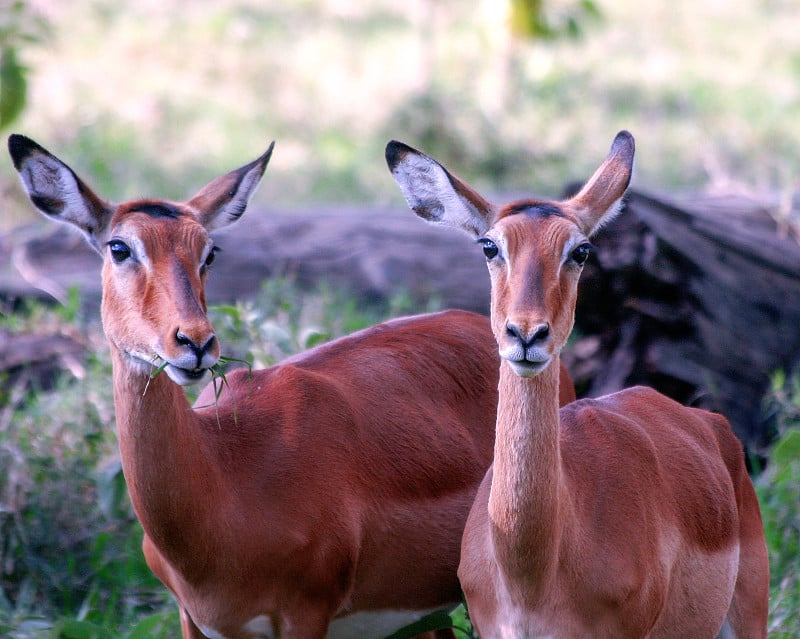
(212, 255)
(119, 251)
(490, 249)
(580, 253)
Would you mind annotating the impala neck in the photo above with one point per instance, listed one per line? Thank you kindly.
(526, 491)
(165, 459)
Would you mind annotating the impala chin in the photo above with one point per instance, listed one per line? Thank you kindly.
(528, 368)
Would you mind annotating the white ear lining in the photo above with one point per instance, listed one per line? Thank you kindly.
(232, 210)
(49, 181)
(611, 213)
(430, 193)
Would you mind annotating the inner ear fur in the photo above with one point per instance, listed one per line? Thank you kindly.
(57, 191)
(435, 194)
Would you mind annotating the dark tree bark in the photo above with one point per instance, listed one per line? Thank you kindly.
(697, 297)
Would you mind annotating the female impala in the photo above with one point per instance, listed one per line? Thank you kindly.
(335, 483)
(624, 516)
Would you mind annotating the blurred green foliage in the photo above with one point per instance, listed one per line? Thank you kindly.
(157, 98)
(778, 489)
(531, 18)
(20, 26)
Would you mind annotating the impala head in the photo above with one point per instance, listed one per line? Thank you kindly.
(535, 249)
(155, 253)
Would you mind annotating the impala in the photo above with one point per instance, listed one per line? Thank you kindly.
(627, 516)
(333, 484)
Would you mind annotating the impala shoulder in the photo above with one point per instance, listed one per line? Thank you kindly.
(446, 321)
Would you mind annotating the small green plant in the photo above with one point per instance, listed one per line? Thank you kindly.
(778, 490)
(20, 26)
(535, 19)
(456, 619)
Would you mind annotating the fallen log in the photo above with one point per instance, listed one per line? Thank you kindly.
(370, 253)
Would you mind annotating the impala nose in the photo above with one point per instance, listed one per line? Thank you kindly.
(199, 350)
(536, 335)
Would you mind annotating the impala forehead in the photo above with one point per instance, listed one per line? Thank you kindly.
(543, 235)
(155, 234)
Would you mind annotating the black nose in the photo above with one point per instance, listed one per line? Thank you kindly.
(539, 334)
(198, 349)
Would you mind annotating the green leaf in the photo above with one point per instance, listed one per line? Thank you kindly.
(74, 629)
(234, 312)
(13, 86)
(788, 449)
(311, 336)
(438, 620)
(527, 19)
(154, 625)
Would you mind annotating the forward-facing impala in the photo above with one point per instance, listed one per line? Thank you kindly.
(335, 483)
(628, 516)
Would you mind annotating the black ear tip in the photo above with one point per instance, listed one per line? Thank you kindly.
(20, 147)
(624, 142)
(396, 151)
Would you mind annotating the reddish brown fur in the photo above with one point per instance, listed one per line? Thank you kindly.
(627, 516)
(338, 481)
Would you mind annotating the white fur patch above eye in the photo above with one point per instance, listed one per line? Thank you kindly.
(571, 244)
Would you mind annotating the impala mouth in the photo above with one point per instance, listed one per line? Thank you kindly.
(525, 362)
(157, 365)
(185, 376)
(526, 367)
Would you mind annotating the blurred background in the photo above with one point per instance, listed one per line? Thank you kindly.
(157, 97)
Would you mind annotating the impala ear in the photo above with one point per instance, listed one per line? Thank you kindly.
(223, 201)
(600, 200)
(435, 194)
(58, 192)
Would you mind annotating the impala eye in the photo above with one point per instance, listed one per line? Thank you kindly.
(581, 253)
(119, 251)
(212, 255)
(490, 249)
